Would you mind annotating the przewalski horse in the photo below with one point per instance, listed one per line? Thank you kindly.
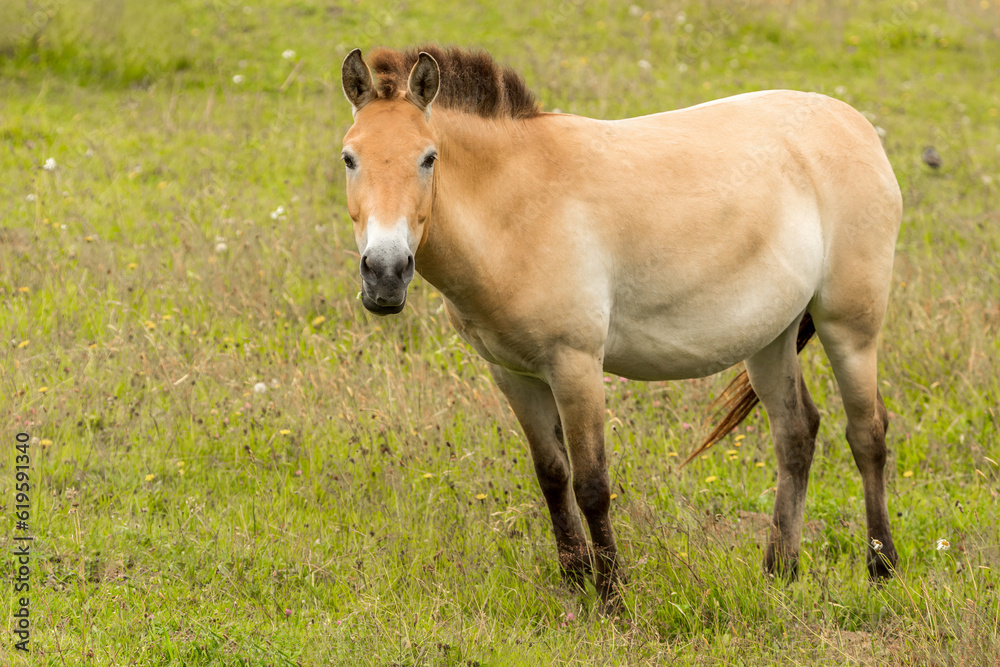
(656, 248)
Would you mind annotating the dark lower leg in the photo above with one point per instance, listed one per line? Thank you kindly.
(870, 453)
(794, 433)
(593, 495)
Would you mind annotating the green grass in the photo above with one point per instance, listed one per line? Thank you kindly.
(182, 518)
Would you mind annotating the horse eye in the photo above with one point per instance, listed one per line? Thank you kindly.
(349, 161)
(429, 161)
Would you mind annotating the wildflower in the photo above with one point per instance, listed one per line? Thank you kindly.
(480, 496)
(570, 616)
(42, 390)
(288, 54)
(278, 213)
(876, 544)
(318, 320)
(908, 473)
(759, 464)
(288, 612)
(635, 11)
(710, 479)
(49, 165)
(45, 442)
(942, 545)
(428, 475)
(30, 198)
(221, 247)
(150, 477)
(238, 79)
(285, 431)
(23, 344)
(180, 464)
(259, 388)
(645, 65)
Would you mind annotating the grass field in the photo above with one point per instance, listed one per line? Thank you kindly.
(234, 464)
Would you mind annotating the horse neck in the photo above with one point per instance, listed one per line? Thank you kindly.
(480, 184)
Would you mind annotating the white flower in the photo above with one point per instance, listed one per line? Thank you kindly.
(278, 213)
(30, 198)
(682, 67)
(288, 54)
(645, 65)
(259, 388)
(840, 90)
(221, 247)
(274, 383)
(238, 79)
(50, 165)
(942, 544)
(876, 544)
(635, 10)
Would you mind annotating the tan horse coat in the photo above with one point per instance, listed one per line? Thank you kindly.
(668, 246)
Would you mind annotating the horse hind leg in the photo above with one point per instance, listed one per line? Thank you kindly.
(851, 347)
(777, 380)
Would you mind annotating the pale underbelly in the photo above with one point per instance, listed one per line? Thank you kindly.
(696, 342)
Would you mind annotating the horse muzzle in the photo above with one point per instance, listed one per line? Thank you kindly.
(385, 278)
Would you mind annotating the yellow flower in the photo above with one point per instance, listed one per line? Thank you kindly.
(180, 472)
(318, 321)
(739, 437)
(285, 431)
(150, 324)
(24, 289)
(42, 390)
(710, 479)
(45, 442)
(759, 464)
(480, 496)
(23, 344)
(730, 452)
(613, 496)
(180, 464)
(908, 473)
(150, 477)
(672, 454)
(427, 475)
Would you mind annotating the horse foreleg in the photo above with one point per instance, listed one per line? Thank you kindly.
(535, 409)
(576, 381)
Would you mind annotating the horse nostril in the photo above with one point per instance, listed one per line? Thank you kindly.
(366, 269)
(408, 271)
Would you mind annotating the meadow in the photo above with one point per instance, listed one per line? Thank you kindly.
(233, 463)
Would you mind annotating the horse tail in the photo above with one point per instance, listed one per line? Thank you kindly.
(740, 397)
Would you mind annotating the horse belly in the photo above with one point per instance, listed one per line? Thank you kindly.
(658, 333)
(686, 345)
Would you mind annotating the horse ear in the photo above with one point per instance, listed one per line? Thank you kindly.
(425, 80)
(357, 80)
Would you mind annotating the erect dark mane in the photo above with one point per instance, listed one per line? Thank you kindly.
(470, 81)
